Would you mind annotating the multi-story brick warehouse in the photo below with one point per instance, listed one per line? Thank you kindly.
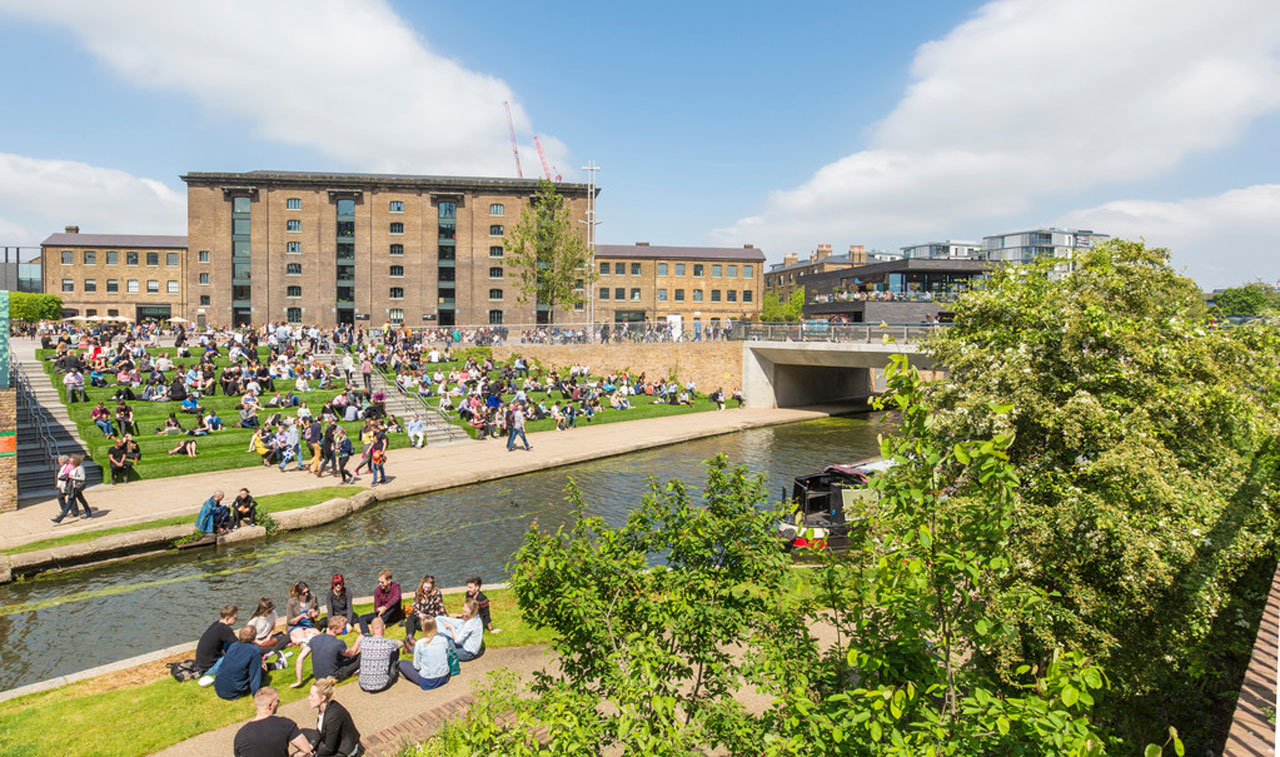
(139, 276)
(689, 287)
(340, 248)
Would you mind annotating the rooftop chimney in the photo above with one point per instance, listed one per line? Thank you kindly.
(73, 229)
(790, 259)
(824, 251)
(642, 244)
(748, 246)
(857, 254)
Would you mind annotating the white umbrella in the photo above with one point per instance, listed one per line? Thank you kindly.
(74, 318)
(96, 318)
(177, 319)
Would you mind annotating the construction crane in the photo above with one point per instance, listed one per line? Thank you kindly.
(543, 157)
(515, 151)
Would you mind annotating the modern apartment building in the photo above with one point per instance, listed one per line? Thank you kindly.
(137, 276)
(911, 290)
(691, 288)
(327, 248)
(1025, 246)
(948, 250)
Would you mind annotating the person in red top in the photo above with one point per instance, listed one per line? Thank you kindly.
(386, 603)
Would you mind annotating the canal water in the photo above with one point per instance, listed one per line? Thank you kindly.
(58, 624)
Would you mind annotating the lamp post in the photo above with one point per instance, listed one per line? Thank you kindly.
(591, 223)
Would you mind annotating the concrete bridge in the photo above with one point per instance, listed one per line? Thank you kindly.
(794, 374)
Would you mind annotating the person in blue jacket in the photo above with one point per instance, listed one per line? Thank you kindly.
(241, 669)
(214, 515)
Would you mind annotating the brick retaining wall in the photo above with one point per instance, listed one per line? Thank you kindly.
(709, 364)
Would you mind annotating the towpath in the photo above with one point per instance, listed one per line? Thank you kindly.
(411, 471)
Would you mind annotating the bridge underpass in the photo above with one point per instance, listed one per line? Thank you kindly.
(796, 374)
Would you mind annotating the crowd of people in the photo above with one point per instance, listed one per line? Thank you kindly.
(238, 663)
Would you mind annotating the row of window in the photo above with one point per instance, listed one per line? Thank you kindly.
(699, 269)
(395, 315)
(397, 206)
(112, 257)
(447, 231)
(113, 285)
(729, 295)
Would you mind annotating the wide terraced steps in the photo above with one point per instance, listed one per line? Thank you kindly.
(45, 430)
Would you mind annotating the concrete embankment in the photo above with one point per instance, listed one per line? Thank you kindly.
(412, 472)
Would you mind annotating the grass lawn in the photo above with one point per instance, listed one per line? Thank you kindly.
(144, 710)
(270, 503)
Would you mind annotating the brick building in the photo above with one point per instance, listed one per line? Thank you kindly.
(341, 248)
(689, 287)
(907, 291)
(139, 276)
(784, 278)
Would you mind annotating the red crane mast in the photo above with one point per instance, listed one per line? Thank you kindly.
(515, 151)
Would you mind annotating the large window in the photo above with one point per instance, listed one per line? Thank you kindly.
(662, 269)
(293, 224)
(90, 257)
(731, 271)
(604, 293)
(448, 209)
(204, 300)
(90, 285)
(293, 269)
(131, 258)
(495, 251)
(113, 286)
(697, 269)
(395, 315)
(495, 272)
(716, 271)
(68, 257)
(203, 255)
(662, 295)
(715, 295)
(153, 286)
(448, 232)
(746, 272)
(397, 228)
(746, 295)
(204, 278)
(397, 293)
(635, 294)
(697, 295)
(397, 271)
(495, 230)
(496, 209)
(293, 203)
(679, 293)
(153, 259)
(619, 293)
(604, 269)
(397, 249)
(635, 269)
(620, 269)
(680, 269)
(113, 257)
(294, 315)
(495, 294)
(171, 258)
(131, 286)
(731, 295)
(396, 206)
(172, 287)
(495, 316)
(293, 291)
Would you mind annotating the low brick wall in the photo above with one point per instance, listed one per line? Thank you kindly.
(9, 462)
(709, 364)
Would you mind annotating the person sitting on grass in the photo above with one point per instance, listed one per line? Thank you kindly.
(263, 442)
(119, 466)
(244, 509)
(430, 666)
(339, 603)
(214, 516)
(191, 406)
(737, 396)
(249, 417)
(268, 733)
(185, 447)
(330, 657)
(265, 637)
(124, 419)
(215, 421)
(214, 642)
(379, 658)
(241, 669)
(386, 603)
(171, 426)
(301, 613)
(482, 602)
(101, 418)
(717, 397)
(466, 637)
(201, 428)
(428, 602)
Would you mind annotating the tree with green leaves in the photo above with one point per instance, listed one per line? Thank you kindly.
(1146, 449)
(547, 254)
(1250, 299)
(774, 310)
(29, 307)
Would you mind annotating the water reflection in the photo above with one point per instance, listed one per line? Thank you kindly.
(149, 604)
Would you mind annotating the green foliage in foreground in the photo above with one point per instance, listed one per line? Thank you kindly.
(1250, 299)
(653, 659)
(28, 307)
(1146, 447)
(81, 719)
(774, 310)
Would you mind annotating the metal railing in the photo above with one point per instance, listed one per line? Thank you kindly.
(35, 413)
(822, 331)
(389, 379)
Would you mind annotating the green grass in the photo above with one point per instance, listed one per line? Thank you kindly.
(83, 719)
(270, 503)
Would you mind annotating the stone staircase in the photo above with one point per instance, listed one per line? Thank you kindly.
(404, 407)
(36, 465)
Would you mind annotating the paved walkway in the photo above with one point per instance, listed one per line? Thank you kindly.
(411, 471)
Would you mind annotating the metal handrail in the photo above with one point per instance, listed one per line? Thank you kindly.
(26, 397)
(390, 380)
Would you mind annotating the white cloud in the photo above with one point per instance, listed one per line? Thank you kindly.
(1035, 98)
(1220, 240)
(349, 79)
(38, 197)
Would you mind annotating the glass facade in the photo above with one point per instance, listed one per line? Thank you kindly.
(446, 258)
(346, 260)
(241, 306)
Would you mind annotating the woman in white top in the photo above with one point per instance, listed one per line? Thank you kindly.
(263, 623)
(76, 482)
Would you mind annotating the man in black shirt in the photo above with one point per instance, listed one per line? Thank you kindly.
(214, 641)
(244, 508)
(267, 734)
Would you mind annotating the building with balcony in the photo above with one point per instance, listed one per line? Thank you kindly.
(911, 290)
(948, 250)
(784, 278)
(324, 248)
(689, 288)
(1025, 246)
(137, 276)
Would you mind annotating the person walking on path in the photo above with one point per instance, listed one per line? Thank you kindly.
(366, 370)
(515, 427)
(378, 458)
(76, 483)
(61, 482)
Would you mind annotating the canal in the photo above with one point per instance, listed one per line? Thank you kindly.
(60, 623)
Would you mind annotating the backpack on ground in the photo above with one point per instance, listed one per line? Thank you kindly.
(455, 667)
(183, 671)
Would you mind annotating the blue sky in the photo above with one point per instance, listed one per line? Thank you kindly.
(779, 125)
